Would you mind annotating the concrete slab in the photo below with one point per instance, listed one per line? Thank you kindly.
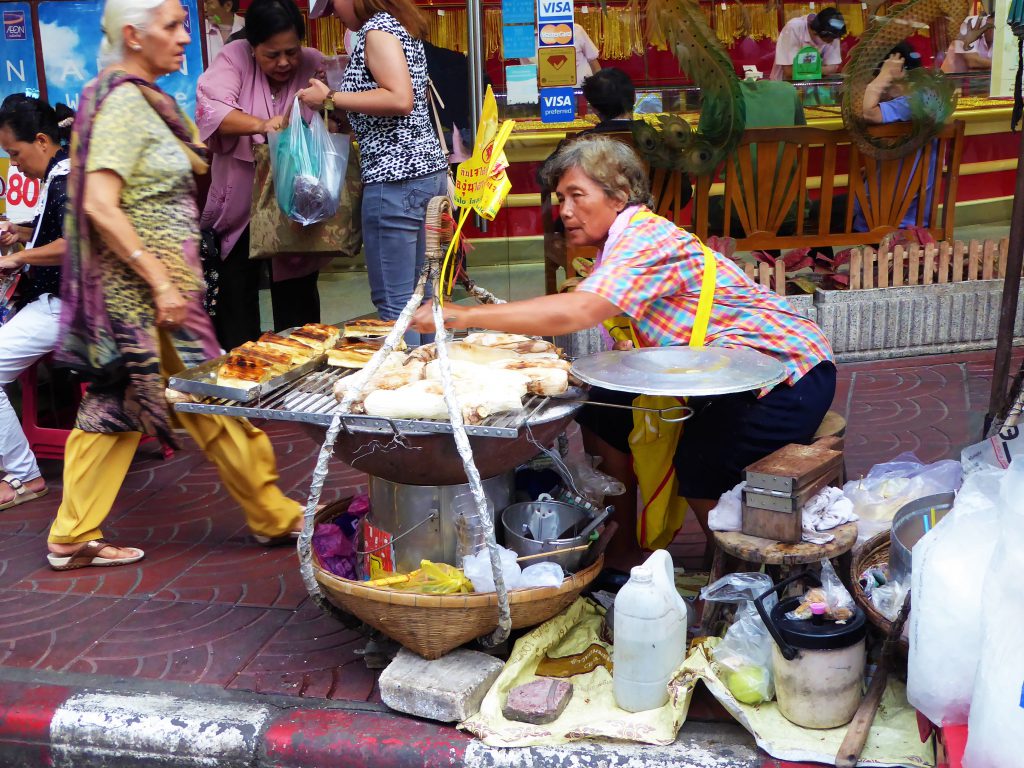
(448, 689)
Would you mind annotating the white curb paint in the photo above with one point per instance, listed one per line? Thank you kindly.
(685, 753)
(94, 729)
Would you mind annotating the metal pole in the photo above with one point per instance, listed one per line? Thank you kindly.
(475, 47)
(1011, 288)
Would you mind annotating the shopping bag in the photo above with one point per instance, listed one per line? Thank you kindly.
(308, 164)
(271, 233)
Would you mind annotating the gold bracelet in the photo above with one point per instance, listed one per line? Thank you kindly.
(135, 255)
(163, 287)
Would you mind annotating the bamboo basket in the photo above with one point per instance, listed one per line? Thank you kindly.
(433, 625)
(873, 552)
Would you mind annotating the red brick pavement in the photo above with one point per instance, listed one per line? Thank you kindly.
(207, 606)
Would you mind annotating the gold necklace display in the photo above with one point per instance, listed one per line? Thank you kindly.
(492, 31)
(446, 28)
(328, 35)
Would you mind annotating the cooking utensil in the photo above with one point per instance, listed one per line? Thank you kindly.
(909, 526)
(564, 517)
(679, 412)
(595, 521)
(597, 549)
(566, 550)
(680, 371)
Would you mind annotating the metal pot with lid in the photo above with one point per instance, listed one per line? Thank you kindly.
(818, 664)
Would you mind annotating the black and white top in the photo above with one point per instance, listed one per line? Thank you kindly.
(49, 226)
(393, 148)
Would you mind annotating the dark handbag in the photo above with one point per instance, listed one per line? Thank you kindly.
(209, 256)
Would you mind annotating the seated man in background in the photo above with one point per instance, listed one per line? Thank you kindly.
(812, 43)
(972, 49)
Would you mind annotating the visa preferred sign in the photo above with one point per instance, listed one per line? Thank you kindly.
(554, 12)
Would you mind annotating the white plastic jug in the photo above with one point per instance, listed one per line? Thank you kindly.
(650, 634)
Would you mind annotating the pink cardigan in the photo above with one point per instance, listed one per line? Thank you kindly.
(234, 81)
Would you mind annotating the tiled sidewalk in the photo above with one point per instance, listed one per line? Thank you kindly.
(208, 606)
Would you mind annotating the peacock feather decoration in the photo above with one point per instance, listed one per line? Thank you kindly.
(932, 95)
(672, 143)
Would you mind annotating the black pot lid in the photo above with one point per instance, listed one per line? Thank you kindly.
(827, 636)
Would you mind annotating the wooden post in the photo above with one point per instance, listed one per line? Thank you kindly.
(973, 259)
(929, 263)
(988, 260)
(945, 251)
(958, 261)
(856, 267)
(914, 276)
(764, 273)
(898, 265)
(883, 268)
(869, 267)
(780, 277)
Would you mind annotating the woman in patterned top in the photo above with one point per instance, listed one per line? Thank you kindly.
(33, 135)
(132, 291)
(385, 95)
(651, 271)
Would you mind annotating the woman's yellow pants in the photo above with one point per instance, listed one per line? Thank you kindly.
(95, 465)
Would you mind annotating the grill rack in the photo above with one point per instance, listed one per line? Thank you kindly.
(310, 400)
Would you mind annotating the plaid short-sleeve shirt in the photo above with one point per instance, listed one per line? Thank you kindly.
(652, 271)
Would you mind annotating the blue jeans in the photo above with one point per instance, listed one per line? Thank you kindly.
(394, 239)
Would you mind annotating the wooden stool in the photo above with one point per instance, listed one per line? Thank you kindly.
(736, 552)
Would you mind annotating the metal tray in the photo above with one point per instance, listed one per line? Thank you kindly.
(680, 371)
(202, 380)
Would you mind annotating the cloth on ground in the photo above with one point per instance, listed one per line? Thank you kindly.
(892, 741)
(826, 510)
(592, 712)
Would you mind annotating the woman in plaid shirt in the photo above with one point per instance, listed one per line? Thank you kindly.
(651, 271)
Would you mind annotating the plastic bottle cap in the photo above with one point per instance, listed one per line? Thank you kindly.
(641, 575)
(819, 609)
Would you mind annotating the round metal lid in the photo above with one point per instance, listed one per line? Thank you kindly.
(680, 371)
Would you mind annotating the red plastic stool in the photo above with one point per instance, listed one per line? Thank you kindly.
(49, 442)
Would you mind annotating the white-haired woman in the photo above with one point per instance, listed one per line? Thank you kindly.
(652, 272)
(132, 291)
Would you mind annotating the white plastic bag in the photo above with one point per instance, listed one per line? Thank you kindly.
(996, 724)
(542, 575)
(308, 165)
(998, 451)
(948, 572)
(478, 570)
(727, 514)
(887, 487)
(744, 656)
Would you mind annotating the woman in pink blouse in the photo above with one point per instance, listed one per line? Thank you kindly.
(244, 95)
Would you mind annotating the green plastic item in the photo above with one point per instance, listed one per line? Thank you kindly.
(807, 64)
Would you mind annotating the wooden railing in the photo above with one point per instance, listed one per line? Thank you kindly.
(943, 262)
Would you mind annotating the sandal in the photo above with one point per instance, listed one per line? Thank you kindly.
(21, 492)
(89, 555)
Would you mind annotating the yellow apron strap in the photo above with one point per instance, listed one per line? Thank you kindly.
(707, 298)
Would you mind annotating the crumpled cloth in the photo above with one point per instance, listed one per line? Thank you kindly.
(826, 510)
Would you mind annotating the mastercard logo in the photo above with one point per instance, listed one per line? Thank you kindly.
(556, 34)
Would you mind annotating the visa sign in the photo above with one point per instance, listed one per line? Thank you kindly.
(14, 25)
(554, 11)
(558, 105)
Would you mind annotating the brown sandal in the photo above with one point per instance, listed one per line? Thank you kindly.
(89, 555)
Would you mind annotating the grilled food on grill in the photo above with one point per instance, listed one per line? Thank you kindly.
(481, 376)
(242, 373)
(425, 400)
(356, 329)
(299, 351)
(546, 377)
(513, 341)
(351, 355)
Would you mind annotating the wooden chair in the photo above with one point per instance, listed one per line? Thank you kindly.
(767, 183)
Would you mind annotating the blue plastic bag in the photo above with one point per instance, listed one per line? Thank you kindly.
(308, 167)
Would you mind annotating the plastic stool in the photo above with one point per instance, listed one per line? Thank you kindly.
(49, 442)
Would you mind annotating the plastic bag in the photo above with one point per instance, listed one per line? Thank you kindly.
(435, 579)
(542, 575)
(744, 656)
(838, 601)
(948, 572)
(308, 166)
(997, 451)
(727, 514)
(996, 723)
(478, 570)
(593, 483)
(887, 487)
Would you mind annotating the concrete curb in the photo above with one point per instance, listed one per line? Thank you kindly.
(43, 724)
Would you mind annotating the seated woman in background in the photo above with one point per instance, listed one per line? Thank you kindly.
(245, 94)
(34, 135)
(652, 271)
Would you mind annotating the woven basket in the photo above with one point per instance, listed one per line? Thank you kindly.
(432, 625)
(872, 552)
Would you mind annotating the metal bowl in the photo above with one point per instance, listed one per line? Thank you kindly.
(566, 517)
(908, 529)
